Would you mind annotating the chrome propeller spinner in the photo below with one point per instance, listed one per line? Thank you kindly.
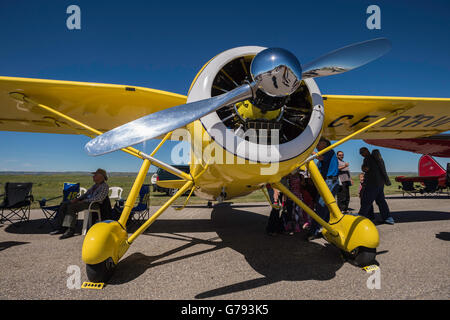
(276, 71)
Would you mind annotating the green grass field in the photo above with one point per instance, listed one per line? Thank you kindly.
(49, 186)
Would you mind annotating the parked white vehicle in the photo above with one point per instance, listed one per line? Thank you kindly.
(153, 180)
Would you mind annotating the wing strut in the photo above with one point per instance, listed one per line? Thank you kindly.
(21, 98)
(352, 135)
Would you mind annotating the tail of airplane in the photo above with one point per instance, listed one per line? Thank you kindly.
(429, 167)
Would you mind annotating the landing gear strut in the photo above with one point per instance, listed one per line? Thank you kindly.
(356, 236)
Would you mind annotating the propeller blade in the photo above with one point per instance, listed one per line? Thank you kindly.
(162, 122)
(346, 58)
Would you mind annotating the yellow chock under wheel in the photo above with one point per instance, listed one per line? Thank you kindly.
(371, 268)
(93, 285)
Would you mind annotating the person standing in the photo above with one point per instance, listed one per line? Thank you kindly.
(328, 167)
(373, 188)
(370, 213)
(343, 194)
(380, 162)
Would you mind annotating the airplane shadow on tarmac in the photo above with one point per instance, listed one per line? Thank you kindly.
(279, 258)
(419, 216)
(8, 244)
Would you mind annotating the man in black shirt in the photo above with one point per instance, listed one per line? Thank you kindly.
(373, 188)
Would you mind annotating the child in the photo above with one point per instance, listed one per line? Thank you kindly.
(292, 223)
(361, 182)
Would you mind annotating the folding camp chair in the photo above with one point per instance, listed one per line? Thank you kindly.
(408, 187)
(141, 211)
(431, 187)
(70, 192)
(16, 202)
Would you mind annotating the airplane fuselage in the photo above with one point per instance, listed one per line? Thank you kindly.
(234, 176)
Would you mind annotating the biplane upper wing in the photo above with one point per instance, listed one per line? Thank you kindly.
(416, 117)
(100, 106)
(106, 106)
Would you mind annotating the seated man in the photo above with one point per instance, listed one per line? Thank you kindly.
(68, 210)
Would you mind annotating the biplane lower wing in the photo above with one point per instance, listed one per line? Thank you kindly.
(101, 106)
(416, 117)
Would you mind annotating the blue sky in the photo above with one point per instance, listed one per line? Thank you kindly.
(163, 44)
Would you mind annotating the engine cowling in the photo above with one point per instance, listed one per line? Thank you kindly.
(264, 129)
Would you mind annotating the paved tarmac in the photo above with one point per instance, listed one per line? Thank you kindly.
(224, 253)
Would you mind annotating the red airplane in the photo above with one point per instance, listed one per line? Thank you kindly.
(432, 176)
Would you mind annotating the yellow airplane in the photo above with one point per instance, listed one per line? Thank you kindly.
(252, 115)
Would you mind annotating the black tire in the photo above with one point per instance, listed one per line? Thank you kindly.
(361, 256)
(100, 272)
(365, 256)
